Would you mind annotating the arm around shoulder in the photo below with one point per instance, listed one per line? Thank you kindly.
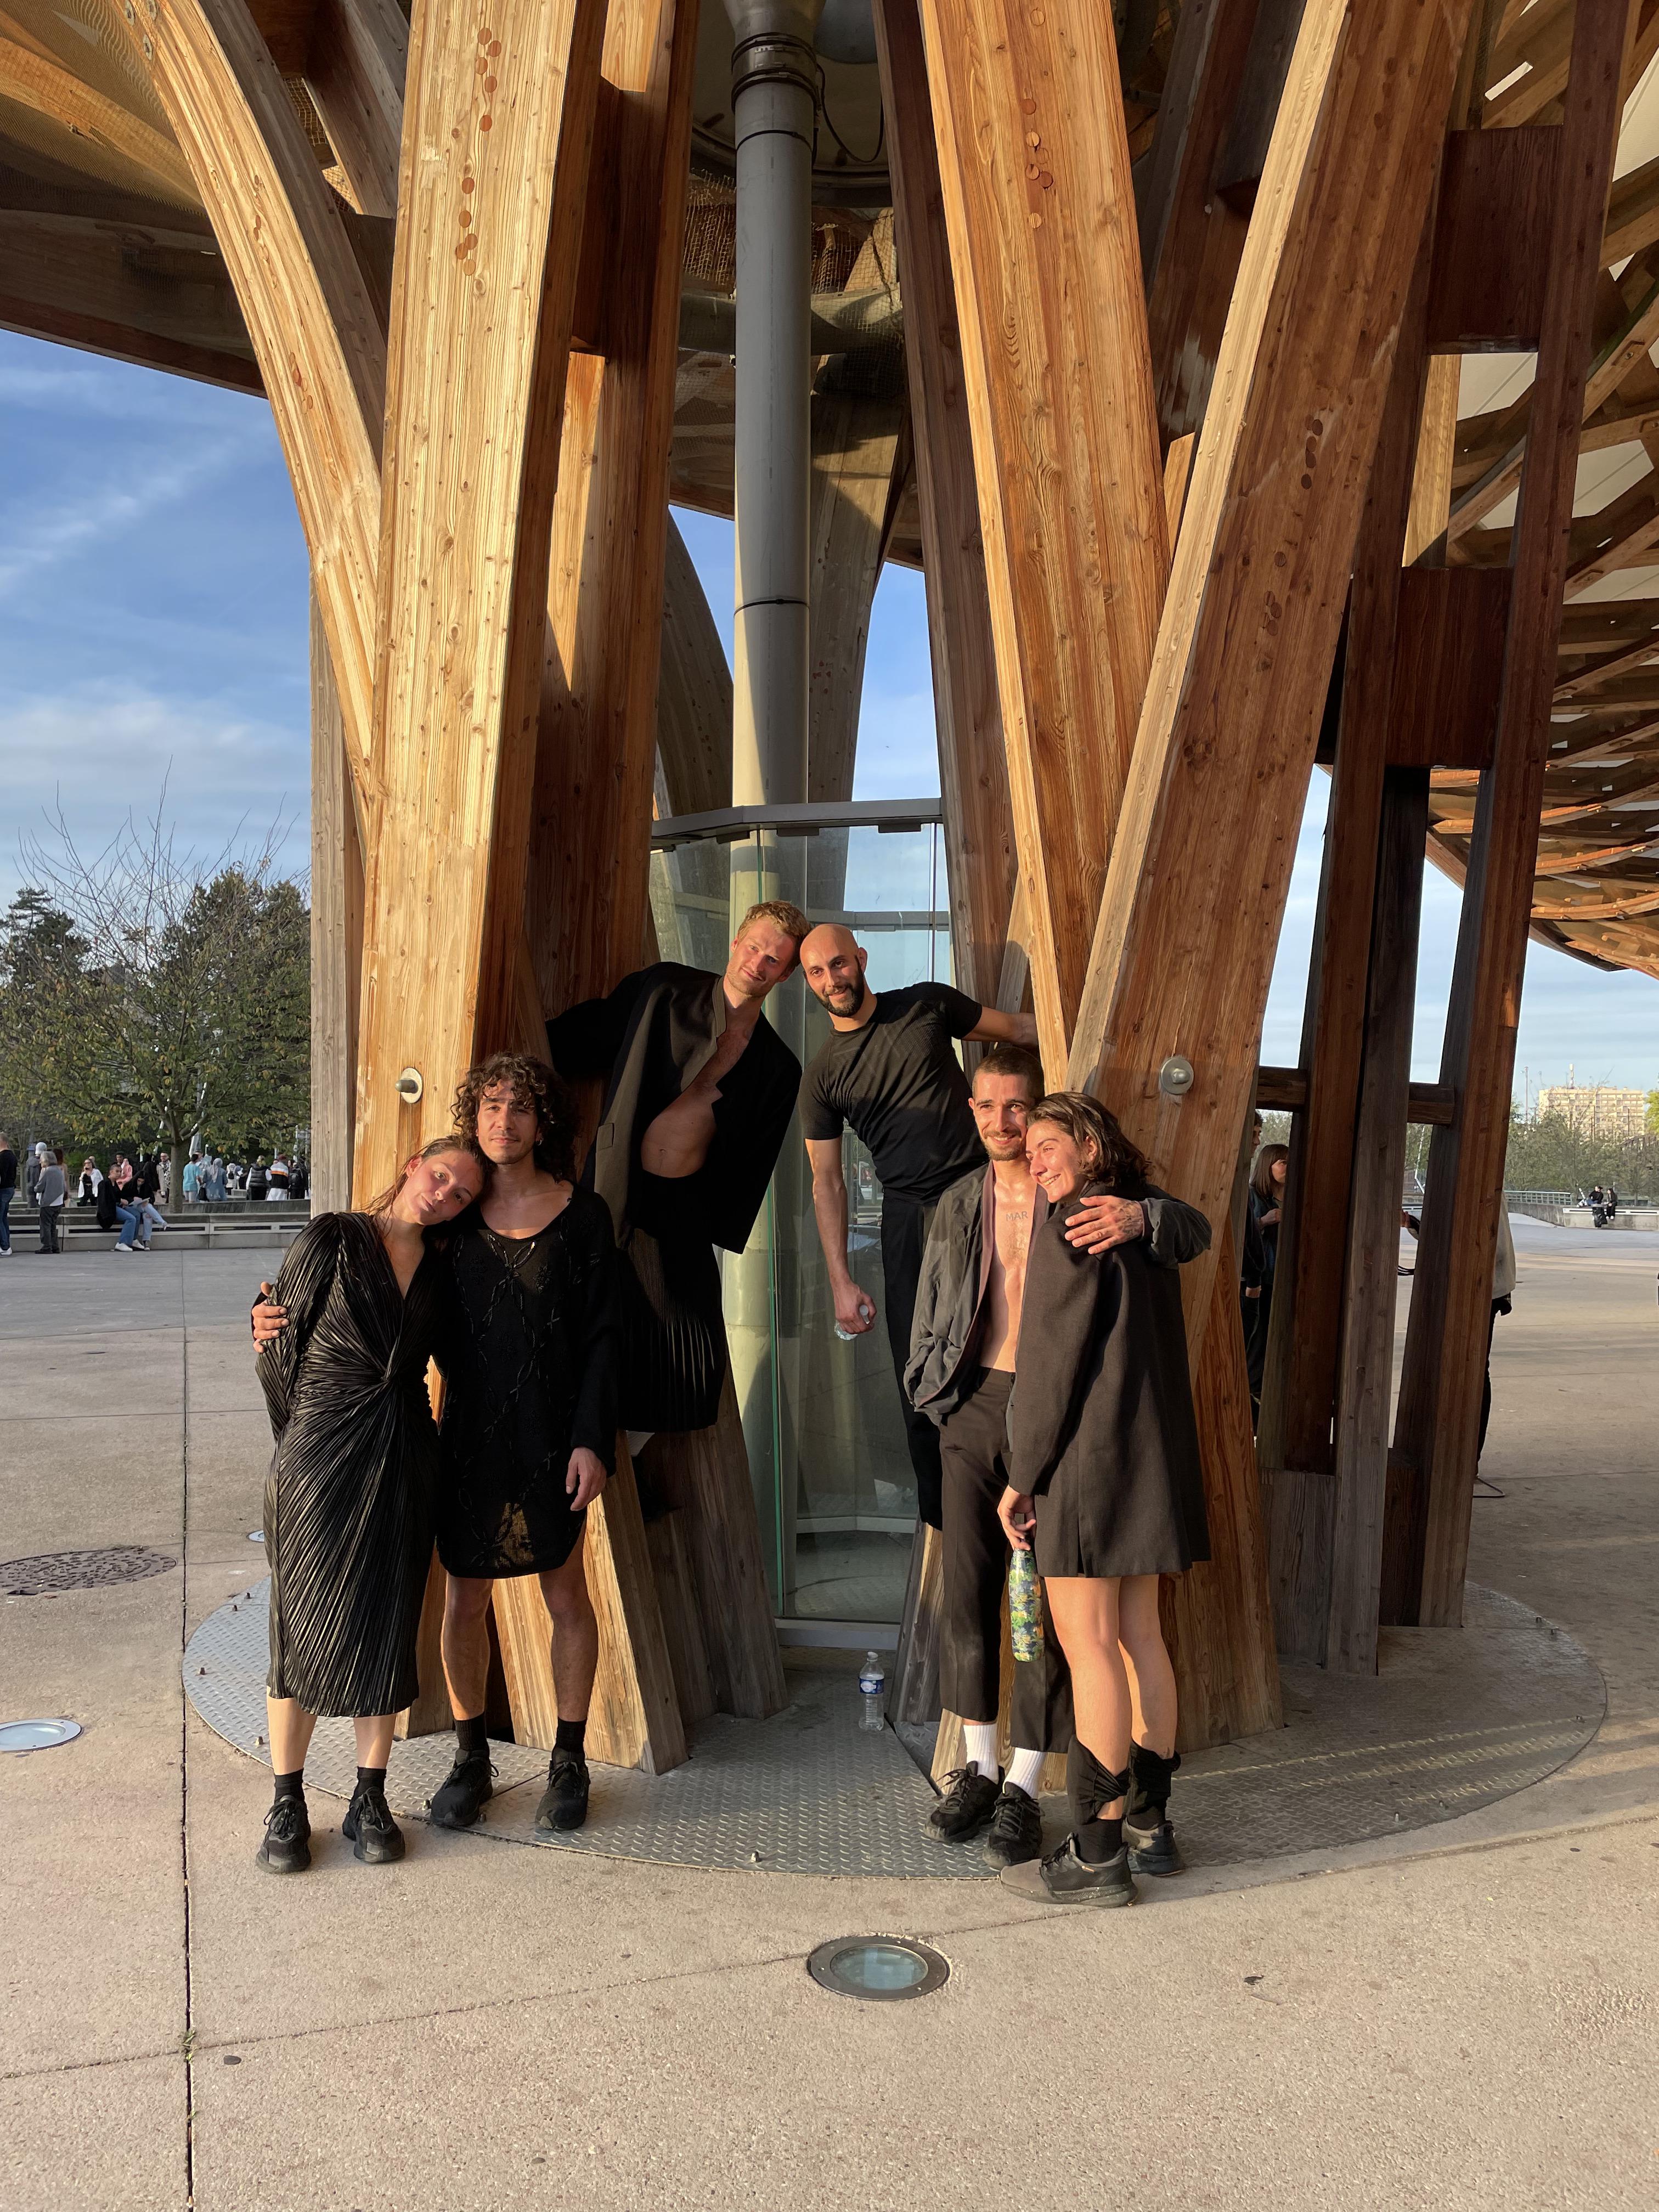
(1176, 1232)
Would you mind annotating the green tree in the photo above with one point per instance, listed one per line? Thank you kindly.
(1650, 1119)
(163, 997)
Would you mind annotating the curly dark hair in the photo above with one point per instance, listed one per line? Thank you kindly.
(1120, 1166)
(535, 1085)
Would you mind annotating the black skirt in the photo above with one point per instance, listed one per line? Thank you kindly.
(673, 1327)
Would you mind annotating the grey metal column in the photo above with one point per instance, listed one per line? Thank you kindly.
(774, 106)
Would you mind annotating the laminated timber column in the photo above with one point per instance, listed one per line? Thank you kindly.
(1196, 885)
(309, 311)
(588, 897)
(1034, 167)
(979, 833)
(1438, 1417)
(337, 936)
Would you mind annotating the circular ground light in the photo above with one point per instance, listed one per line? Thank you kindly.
(49, 1572)
(878, 1968)
(36, 1735)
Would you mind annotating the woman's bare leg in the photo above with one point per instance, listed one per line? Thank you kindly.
(290, 1727)
(1085, 1613)
(1146, 1663)
(374, 1739)
(575, 1635)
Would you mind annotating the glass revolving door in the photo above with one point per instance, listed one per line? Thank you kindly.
(833, 1481)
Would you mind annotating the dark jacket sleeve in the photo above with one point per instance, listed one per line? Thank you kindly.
(1176, 1232)
(594, 1426)
(941, 1273)
(586, 1038)
(1071, 1301)
(303, 1282)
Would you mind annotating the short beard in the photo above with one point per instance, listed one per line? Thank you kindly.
(854, 999)
(1015, 1148)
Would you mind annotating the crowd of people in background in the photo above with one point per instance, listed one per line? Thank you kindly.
(128, 1190)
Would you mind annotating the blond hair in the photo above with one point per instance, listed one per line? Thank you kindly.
(784, 914)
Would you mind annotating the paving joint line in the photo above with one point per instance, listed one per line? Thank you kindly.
(189, 2040)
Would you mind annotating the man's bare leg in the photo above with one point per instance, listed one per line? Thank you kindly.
(465, 1647)
(575, 1658)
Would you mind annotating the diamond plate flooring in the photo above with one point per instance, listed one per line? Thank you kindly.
(808, 1791)
(1452, 1720)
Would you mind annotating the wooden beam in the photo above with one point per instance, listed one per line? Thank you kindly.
(309, 311)
(1365, 1381)
(1285, 1091)
(495, 178)
(1035, 169)
(1191, 237)
(1196, 887)
(596, 751)
(1486, 289)
(336, 937)
(694, 697)
(1446, 1340)
(978, 836)
(355, 60)
(31, 76)
(856, 444)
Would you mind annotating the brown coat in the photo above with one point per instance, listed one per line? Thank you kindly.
(1102, 1427)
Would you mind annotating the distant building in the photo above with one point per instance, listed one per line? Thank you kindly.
(1595, 1109)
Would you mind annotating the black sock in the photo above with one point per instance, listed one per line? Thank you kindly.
(471, 1737)
(1099, 1841)
(1149, 1799)
(290, 1785)
(570, 1735)
(372, 1777)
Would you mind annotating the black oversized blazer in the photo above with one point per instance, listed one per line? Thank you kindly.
(1102, 1427)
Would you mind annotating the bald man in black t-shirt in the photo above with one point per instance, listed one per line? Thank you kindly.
(890, 1073)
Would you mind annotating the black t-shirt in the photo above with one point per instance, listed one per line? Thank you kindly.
(8, 1169)
(896, 1084)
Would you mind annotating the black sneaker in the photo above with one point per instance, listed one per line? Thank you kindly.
(564, 1800)
(1065, 1879)
(1016, 1831)
(1152, 1848)
(464, 1792)
(965, 1807)
(369, 1828)
(287, 1846)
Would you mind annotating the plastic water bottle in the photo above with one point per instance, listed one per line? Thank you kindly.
(867, 1313)
(873, 1686)
(1025, 1606)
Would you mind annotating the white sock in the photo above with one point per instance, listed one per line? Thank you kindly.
(980, 1737)
(1024, 1770)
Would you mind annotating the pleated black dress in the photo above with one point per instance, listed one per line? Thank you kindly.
(351, 1497)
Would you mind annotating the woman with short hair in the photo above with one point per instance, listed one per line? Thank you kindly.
(350, 1499)
(1106, 1487)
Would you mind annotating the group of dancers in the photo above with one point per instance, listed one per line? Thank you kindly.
(561, 1309)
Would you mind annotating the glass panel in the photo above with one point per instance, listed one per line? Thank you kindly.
(833, 1481)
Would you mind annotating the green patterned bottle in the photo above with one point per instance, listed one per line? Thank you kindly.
(1025, 1606)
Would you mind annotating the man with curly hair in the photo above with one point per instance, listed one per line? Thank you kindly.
(699, 1090)
(529, 1357)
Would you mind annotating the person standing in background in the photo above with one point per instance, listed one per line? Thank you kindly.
(32, 1177)
(1267, 1206)
(8, 1192)
(50, 1194)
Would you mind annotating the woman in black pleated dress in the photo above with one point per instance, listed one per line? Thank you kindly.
(351, 1497)
(1107, 1487)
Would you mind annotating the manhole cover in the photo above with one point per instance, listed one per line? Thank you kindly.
(74, 1571)
(878, 1968)
(36, 1735)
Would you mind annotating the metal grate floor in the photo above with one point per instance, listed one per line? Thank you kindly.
(1451, 1721)
(805, 1792)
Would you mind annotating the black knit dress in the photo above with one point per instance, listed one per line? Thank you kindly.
(350, 1495)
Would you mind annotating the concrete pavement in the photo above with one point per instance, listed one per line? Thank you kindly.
(1463, 2017)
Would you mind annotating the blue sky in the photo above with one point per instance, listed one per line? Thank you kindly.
(153, 623)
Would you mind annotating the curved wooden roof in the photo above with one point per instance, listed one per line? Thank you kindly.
(104, 244)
